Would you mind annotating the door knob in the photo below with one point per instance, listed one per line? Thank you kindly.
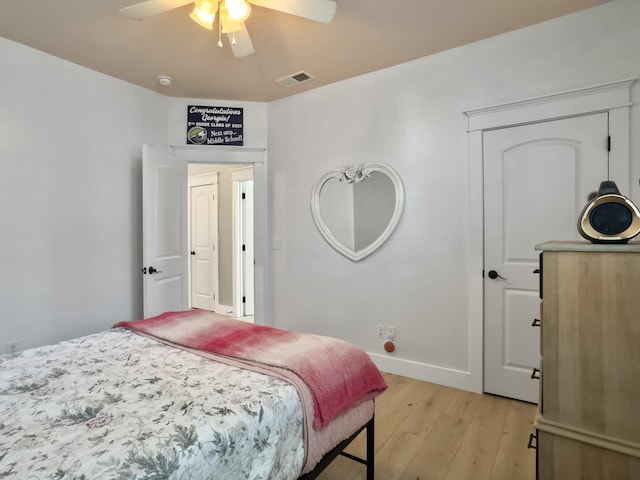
(193, 252)
(153, 270)
(493, 275)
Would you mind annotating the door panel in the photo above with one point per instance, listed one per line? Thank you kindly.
(164, 206)
(537, 179)
(520, 349)
(204, 228)
(248, 253)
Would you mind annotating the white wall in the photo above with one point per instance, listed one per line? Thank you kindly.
(410, 117)
(70, 196)
(70, 192)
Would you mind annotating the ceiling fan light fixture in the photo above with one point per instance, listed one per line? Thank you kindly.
(230, 26)
(238, 10)
(204, 13)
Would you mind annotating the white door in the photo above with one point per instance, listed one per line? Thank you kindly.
(247, 244)
(204, 251)
(164, 232)
(537, 179)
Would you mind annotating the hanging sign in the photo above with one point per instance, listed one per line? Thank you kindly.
(214, 125)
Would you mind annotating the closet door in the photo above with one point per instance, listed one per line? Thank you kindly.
(537, 179)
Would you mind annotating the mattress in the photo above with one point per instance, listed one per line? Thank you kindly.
(122, 406)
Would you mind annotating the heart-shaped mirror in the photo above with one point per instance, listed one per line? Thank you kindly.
(356, 208)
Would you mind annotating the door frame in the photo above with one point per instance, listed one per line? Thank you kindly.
(237, 176)
(613, 97)
(257, 157)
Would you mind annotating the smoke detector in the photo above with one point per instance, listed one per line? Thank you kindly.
(295, 79)
(165, 80)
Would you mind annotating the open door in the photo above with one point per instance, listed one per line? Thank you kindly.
(164, 232)
(246, 225)
(243, 243)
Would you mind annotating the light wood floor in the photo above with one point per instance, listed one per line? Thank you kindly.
(426, 431)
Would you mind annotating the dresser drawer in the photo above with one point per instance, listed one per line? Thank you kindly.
(588, 426)
(562, 458)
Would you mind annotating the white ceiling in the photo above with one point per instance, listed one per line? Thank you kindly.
(364, 36)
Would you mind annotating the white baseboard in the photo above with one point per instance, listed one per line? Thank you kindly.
(422, 371)
(224, 310)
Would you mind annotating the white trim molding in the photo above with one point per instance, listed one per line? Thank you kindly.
(613, 97)
(226, 310)
(422, 371)
(597, 98)
(223, 154)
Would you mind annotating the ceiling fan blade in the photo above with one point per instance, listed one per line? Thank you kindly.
(147, 9)
(243, 45)
(318, 10)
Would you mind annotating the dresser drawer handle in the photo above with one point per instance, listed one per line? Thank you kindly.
(536, 322)
(535, 374)
(532, 437)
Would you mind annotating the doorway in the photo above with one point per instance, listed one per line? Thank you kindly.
(537, 179)
(218, 284)
(612, 98)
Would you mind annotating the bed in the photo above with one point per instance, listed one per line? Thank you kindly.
(185, 395)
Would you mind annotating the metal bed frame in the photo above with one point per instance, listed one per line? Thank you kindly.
(339, 450)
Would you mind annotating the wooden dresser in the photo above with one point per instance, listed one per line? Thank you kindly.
(588, 422)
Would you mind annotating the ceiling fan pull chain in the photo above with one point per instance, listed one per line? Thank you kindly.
(219, 23)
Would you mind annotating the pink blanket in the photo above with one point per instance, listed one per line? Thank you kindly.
(338, 374)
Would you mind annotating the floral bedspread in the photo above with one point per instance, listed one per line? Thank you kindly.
(118, 406)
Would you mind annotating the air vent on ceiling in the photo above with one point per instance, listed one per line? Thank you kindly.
(295, 79)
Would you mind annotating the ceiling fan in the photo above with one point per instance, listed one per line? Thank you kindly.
(231, 15)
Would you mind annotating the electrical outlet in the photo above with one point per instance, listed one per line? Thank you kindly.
(391, 333)
(12, 347)
(380, 330)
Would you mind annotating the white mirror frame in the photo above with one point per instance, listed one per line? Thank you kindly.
(351, 174)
